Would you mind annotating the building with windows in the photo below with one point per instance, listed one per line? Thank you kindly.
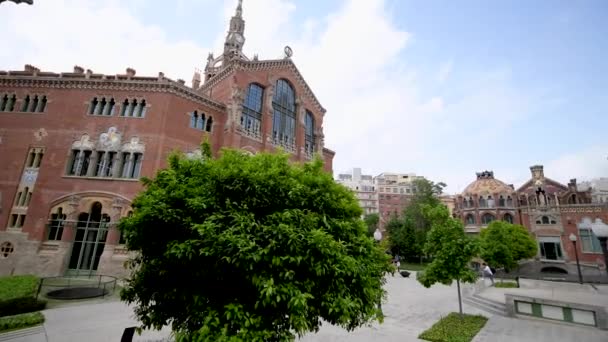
(74, 145)
(551, 211)
(395, 191)
(364, 188)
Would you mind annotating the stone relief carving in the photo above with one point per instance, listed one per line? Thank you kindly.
(29, 177)
(40, 134)
(134, 146)
(84, 143)
(110, 140)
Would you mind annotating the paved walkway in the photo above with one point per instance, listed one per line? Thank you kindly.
(410, 310)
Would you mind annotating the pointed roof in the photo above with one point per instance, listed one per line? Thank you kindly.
(254, 65)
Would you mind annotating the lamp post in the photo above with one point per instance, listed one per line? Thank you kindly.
(578, 265)
(600, 229)
(378, 238)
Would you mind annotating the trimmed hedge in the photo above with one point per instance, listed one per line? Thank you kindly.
(506, 285)
(21, 321)
(18, 295)
(452, 328)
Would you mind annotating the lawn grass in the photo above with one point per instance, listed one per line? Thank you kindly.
(17, 287)
(21, 321)
(452, 328)
(18, 295)
(506, 284)
(412, 266)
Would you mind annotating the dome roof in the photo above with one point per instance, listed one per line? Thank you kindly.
(486, 184)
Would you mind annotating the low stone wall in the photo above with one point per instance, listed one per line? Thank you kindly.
(557, 310)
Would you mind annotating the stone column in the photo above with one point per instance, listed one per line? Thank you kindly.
(106, 265)
(117, 165)
(69, 228)
(93, 163)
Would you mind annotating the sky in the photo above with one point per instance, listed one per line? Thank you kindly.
(443, 89)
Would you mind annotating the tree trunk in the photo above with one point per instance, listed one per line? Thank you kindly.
(459, 299)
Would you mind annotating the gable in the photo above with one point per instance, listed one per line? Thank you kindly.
(529, 185)
(285, 63)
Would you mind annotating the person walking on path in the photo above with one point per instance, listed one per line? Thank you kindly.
(487, 272)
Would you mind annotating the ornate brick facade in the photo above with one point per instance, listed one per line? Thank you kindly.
(550, 210)
(74, 144)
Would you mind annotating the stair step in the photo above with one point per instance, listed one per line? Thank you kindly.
(39, 329)
(489, 302)
(484, 307)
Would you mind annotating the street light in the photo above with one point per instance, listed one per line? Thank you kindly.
(578, 265)
(377, 235)
(600, 229)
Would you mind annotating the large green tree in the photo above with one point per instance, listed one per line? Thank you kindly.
(504, 244)
(250, 248)
(402, 238)
(408, 233)
(371, 221)
(452, 251)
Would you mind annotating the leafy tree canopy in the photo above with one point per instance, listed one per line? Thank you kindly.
(250, 248)
(408, 234)
(371, 221)
(451, 248)
(504, 244)
(402, 238)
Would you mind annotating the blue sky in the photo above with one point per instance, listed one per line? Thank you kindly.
(440, 88)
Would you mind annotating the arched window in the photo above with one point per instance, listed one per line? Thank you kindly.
(309, 134)
(482, 202)
(193, 119)
(501, 201)
(508, 218)
(487, 218)
(284, 115)
(201, 122)
(509, 201)
(26, 104)
(470, 219)
(490, 202)
(471, 204)
(209, 124)
(545, 220)
(56, 225)
(251, 118)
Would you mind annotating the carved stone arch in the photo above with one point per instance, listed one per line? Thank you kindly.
(250, 150)
(82, 201)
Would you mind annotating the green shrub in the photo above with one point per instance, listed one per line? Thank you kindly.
(507, 284)
(454, 329)
(21, 321)
(18, 295)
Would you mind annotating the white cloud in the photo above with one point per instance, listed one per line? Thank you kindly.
(587, 164)
(106, 37)
(444, 71)
(379, 115)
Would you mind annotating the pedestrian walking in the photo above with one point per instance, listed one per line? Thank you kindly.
(487, 272)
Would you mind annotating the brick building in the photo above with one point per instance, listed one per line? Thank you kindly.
(74, 144)
(550, 210)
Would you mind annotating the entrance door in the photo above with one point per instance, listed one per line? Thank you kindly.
(91, 234)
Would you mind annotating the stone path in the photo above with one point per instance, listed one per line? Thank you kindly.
(410, 310)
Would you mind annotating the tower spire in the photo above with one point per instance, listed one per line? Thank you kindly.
(233, 46)
(239, 9)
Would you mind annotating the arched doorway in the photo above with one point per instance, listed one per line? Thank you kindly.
(91, 235)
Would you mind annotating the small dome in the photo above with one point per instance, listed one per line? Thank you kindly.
(486, 184)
